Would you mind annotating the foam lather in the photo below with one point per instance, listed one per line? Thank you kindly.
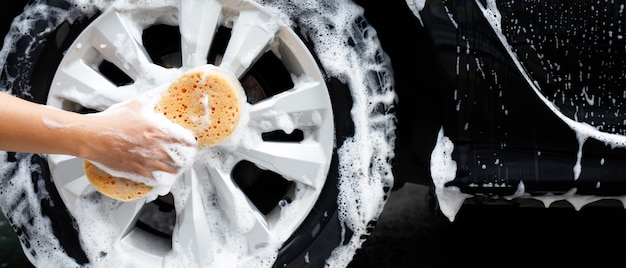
(205, 100)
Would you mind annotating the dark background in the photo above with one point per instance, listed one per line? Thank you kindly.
(504, 235)
(11, 254)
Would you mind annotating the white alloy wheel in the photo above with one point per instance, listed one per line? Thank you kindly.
(146, 230)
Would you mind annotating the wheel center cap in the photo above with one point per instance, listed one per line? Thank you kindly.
(206, 100)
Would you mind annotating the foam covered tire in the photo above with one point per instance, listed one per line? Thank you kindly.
(39, 193)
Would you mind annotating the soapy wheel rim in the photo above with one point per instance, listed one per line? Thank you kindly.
(286, 165)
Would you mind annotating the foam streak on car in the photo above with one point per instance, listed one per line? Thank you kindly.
(570, 57)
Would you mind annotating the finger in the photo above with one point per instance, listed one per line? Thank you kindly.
(164, 166)
(174, 140)
(162, 137)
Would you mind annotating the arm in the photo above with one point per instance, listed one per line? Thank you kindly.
(122, 140)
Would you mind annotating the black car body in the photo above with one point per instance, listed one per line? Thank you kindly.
(529, 92)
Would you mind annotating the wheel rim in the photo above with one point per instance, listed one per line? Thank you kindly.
(262, 190)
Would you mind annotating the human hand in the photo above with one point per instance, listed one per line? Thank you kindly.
(123, 140)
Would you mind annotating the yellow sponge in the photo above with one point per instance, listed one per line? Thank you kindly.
(205, 100)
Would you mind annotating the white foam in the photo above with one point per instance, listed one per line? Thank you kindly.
(416, 7)
(363, 164)
(443, 170)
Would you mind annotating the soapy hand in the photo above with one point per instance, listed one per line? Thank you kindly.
(123, 138)
(125, 141)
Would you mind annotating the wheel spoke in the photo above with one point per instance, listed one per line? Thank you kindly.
(198, 24)
(242, 215)
(126, 214)
(193, 231)
(301, 162)
(306, 105)
(119, 42)
(112, 40)
(69, 176)
(79, 83)
(67, 172)
(249, 40)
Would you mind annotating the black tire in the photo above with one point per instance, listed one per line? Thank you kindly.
(36, 210)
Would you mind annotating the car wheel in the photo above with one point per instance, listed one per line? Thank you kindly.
(306, 193)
